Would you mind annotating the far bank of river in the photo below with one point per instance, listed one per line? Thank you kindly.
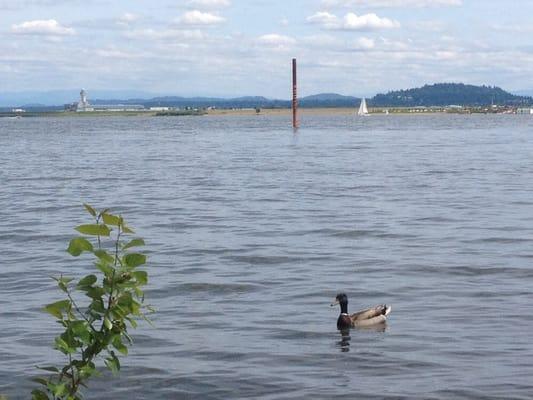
(258, 111)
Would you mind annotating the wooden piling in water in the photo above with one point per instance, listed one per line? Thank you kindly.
(295, 122)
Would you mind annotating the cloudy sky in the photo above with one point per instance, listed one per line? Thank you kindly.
(244, 47)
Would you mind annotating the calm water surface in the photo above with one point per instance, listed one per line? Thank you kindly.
(253, 229)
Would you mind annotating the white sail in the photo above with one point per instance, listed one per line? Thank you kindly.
(363, 110)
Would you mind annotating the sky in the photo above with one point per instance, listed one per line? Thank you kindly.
(231, 48)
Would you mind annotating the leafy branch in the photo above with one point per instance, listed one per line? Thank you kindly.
(98, 327)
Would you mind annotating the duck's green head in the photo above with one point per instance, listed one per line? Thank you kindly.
(341, 299)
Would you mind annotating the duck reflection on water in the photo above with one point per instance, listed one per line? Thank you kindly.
(344, 342)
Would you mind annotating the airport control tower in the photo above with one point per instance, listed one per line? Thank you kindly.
(83, 104)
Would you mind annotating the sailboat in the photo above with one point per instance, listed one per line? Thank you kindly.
(363, 110)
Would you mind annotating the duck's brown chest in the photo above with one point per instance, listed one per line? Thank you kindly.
(344, 321)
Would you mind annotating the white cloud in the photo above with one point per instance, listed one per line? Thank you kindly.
(391, 3)
(276, 40)
(196, 17)
(352, 21)
(368, 22)
(42, 27)
(323, 18)
(209, 3)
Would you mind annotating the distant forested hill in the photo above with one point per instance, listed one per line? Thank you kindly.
(443, 94)
(329, 100)
(439, 94)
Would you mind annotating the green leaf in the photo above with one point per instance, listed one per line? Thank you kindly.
(104, 256)
(133, 324)
(133, 243)
(79, 245)
(94, 229)
(108, 324)
(125, 229)
(97, 305)
(89, 209)
(105, 268)
(63, 346)
(38, 395)
(128, 337)
(57, 308)
(141, 277)
(59, 389)
(111, 219)
(117, 344)
(94, 292)
(63, 279)
(87, 371)
(89, 280)
(138, 292)
(63, 283)
(151, 309)
(40, 381)
(133, 260)
(125, 301)
(148, 320)
(81, 330)
(113, 363)
(103, 212)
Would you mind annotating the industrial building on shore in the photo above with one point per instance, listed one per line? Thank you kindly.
(83, 105)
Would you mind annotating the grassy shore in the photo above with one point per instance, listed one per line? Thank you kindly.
(66, 114)
(339, 111)
(312, 111)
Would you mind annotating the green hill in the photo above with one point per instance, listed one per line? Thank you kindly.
(443, 94)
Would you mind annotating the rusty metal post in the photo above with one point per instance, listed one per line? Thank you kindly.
(295, 122)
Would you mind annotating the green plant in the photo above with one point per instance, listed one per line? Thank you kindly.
(97, 325)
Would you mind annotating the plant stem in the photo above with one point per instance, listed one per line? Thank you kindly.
(79, 311)
(73, 388)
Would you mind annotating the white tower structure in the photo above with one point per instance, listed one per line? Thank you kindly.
(83, 104)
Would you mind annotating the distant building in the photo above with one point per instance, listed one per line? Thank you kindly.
(83, 104)
(18, 110)
(524, 111)
(118, 107)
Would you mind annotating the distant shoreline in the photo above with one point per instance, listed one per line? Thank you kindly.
(347, 111)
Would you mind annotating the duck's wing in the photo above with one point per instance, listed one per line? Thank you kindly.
(371, 316)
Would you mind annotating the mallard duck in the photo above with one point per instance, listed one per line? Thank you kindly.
(372, 316)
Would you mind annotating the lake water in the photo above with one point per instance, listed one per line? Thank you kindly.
(252, 229)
